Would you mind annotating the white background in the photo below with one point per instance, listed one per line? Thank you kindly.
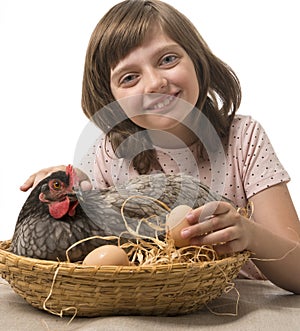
(42, 50)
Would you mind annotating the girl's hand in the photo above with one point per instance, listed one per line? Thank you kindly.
(219, 224)
(35, 178)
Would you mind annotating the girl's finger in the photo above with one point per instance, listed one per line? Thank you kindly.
(215, 238)
(208, 211)
(27, 184)
(205, 227)
(86, 185)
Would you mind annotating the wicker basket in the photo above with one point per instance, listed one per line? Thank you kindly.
(73, 289)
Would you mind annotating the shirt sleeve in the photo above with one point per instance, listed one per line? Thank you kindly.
(109, 170)
(95, 163)
(86, 163)
(261, 167)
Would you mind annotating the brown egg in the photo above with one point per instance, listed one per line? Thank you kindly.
(107, 255)
(175, 222)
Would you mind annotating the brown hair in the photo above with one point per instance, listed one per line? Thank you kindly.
(123, 28)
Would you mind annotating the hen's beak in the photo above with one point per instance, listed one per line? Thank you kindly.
(73, 196)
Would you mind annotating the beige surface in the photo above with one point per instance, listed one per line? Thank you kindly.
(262, 306)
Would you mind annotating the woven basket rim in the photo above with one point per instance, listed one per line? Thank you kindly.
(40, 263)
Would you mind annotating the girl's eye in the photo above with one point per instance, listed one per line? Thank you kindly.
(169, 59)
(128, 79)
(56, 185)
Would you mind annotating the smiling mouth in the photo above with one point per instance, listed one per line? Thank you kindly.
(162, 103)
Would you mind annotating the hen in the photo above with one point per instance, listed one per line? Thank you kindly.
(58, 214)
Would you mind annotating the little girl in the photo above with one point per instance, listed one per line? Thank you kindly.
(166, 103)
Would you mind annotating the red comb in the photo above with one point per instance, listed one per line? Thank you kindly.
(69, 169)
(72, 175)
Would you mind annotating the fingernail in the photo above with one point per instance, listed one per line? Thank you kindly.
(23, 187)
(185, 233)
(189, 216)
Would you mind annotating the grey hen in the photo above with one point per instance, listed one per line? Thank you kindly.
(57, 215)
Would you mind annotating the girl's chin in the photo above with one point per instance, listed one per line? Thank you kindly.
(155, 122)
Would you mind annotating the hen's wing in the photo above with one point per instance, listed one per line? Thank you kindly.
(141, 200)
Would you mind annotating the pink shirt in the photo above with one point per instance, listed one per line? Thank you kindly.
(248, 166)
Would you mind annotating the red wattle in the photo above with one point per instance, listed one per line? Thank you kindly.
(72, 208)
(59, 209)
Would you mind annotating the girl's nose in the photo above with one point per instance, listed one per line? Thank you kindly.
(155, 81)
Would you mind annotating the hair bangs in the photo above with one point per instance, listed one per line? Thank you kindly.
(128, 31)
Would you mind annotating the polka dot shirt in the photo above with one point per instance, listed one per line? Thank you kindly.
(245, 167)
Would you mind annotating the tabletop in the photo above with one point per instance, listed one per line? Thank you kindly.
(250, 305)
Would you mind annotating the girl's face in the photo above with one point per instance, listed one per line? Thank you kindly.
(156, 84)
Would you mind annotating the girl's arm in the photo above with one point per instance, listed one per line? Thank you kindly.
(277, 236)
(273, 237)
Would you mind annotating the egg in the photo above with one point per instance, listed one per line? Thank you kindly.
(175, 222)
(107, 255)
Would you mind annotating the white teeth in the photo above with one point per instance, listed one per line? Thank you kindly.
(163, 103)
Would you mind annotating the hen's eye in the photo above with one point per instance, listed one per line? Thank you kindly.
(56, 185)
